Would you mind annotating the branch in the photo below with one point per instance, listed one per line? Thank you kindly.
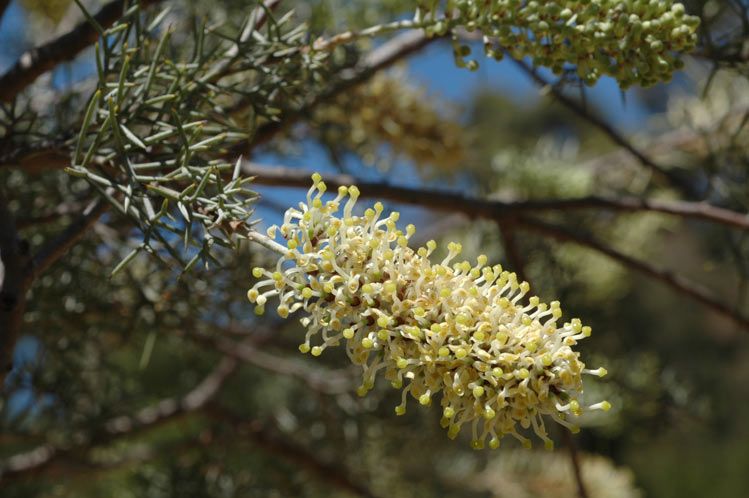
(39, 60)
(673, 178)
(52, 251)
(308, 461)
(582, 491)
(518, 263)
(42, 458)
(14, 258)
(675, 281)
(514, 211)
(3, 5)
(170, 408)
(24, 270)
(442, 200)
(51, 216)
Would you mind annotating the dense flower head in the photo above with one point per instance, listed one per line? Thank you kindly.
(634, 41)
(466, 331)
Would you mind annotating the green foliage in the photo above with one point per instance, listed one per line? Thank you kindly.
(153, 133)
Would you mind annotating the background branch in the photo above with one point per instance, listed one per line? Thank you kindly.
(39, 60)
(673, 280)
(14, 258)
(604, 126)
(24, 270)
(442, 200)
(515, 258)
(3, 5)
(41, 458)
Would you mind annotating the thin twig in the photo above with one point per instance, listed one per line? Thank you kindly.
(582, 491)
(303, 458)
(673, 280)
(673, 178)
(52, 251)
(39, 60)
(257, 20)
(518, 263)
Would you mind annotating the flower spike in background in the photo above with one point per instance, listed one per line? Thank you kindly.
(465, 333)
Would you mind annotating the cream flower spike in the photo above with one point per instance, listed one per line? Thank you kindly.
(463, 334)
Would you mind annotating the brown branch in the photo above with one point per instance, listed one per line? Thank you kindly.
(697, 210)
(169, 408)
(303, 458)
(24, 270)
(44, 457)
(53, 250)
(3, 5)
(307, 460)
(51, 216)
(582, 491)
(39, 60)
(442, 200)
(14, 257)
(516, 260)
(673, 280)
(614, 135)
(514, 211)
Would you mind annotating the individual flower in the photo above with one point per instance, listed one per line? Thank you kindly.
(466, 334)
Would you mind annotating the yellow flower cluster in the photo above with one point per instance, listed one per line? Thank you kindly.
(634, 41)
(500, 360)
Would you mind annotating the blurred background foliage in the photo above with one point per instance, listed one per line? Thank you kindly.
(162, 384)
